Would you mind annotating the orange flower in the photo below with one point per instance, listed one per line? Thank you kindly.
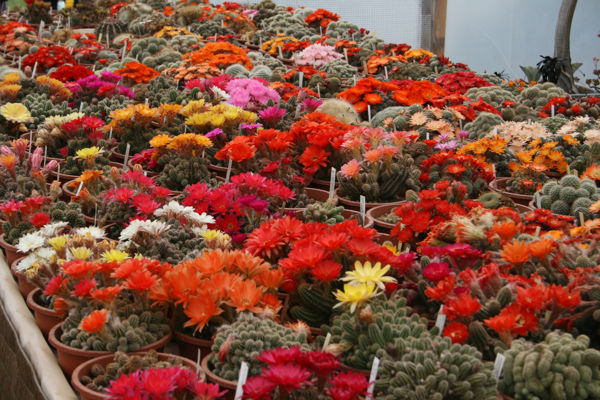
(141, 280)
(541, 248)
(373, 98)
(244, 296)
(79, 268)
(270, 279)
(455, 169)
(239, 149)
(272, 302)
(94, 321)
(107, 294)
(506, 230)
(592, 172)
(89, 175)
(373, 155)
(565, 299)
(200, 310)
(464, 306)
(139, 73)
(515, 252)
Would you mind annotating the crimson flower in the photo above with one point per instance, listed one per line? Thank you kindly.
(457, 332)
(53, 285)
(287, 376)
(83, 287)
(321, 363)
(39, 219)
(435, 272)
(280, 355)
(258, 388)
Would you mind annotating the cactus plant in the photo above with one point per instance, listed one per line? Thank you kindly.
(569, 196)
(244, 340)
(286, 24)
(327, 212)
(483, 124)
(339, 68)
(341, 110)
(561, 367)
(537, 96)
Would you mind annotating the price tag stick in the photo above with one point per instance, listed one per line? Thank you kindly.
(242, 377)
(228, 174)
(126, 156)
(373, 378)
(332, 183)
(363, 209)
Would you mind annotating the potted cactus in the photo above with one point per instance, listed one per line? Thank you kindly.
(108, 308)
(571, 196)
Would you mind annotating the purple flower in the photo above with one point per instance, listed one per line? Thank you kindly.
(111, 76)
(125, 91)
(447, 146)
(463, 134)
(214, 132)
(272, 115)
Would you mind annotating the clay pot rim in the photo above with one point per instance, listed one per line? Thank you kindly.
(379, 222)
(495, 188)
(345, 200)
(89, 393)
(6, 245)
(227, 384)
(369, 221)
(345, 367)
(178, 335)
(56, 343)
(31, 303)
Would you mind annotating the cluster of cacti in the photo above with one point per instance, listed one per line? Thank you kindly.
(569, 196)
(286, 24)
(105, 106)
(259, 58)
(409, 70)
(40, 106)
(377, 325)
(401, 118)
(184, 43)
(100, 375)
(328, 88)
(85, 13)
(340, 69)
(345, 30)
(561, 367)
(244, 340)
(58, 211)
(371, 42)
(177, 173)
(387, 184)
(239, 71)
(493, 95)
(327, 212)
(22, 186)
(553, 124)
(132, 11)
(483, 124)
(149, 24)
(148, 47)
(208, 28)
(537, 96)
(176, 243)
(518, 112)
(110, 27)
(582, 156)
(525, 181)
(38, 11)
(133, 331)
(431, 367)
(74, 165)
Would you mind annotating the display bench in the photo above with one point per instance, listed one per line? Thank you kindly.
(28, 368)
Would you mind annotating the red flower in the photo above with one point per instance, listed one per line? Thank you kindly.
(321, 363)
(83, 287)
(435, 272)
(94, 321)
(39, 219)
(258, 388)
(141, 280)
(442, 289)
(348, 386)
(287, 377)
(53, 285)
(327, 270)
(463, 306)
(78, 268)
(280, 355)
(457, 332)
(565, 299)
(107, 294)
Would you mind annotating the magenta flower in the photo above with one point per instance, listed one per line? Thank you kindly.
(272, 115)
(435, 272)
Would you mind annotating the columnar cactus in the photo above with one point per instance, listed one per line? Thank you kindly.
(244, 340)
(559, 368)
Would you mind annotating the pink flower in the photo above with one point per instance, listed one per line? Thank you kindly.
(272, 115)
(435, 272)
(351, 169)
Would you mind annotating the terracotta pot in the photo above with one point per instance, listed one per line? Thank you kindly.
(347, 214)
(224, 383)
(1, 225)
(10, 251)
(69, 190)
(319, 195)
(116, 156)
(355, 205)
(84, 369)
(348, 368)
(69, 357)
(522, 209)
(498, 185)
(220, 171)
(45, 318)
(189, 345)
(376, 212)
(25, 287)
(321, 183)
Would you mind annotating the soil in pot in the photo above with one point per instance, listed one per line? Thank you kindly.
(70, 358)
(80, 373)
(45, 317)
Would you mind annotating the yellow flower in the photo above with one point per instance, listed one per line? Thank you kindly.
(89, 154)
(144, 110)
(15, 112)
(369, 274)
(122, 114)
(355, 295)
(160, 141)
(211, 234)
(80, 253)
(193, 107)
(32, 271)
(13, 77)
(58, 242)
(114, 256)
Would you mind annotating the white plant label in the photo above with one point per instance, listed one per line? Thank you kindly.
(363, 208)
(58, 173)
(34, 69)
(319, 89)
(81, 106)
(346, 54)
(332, 183)
(369, 112)
(280, 51)
(495, 131)
(45, 155)
(386, 72)
(198, 358)
(538, 200)
(110, 134)
(326, 342)
(79, 189)
(440, 321)
(300, 78)
(41, 28)
(242, 377)
(228, 174)
(373, 378)
(498, 366)
(126, 156)
(552, 111)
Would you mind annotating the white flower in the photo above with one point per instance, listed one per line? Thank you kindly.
(133, 228)
(53, 229)
(200, 219)
(45, 253)
(198, 231)
(174, 209)
(155, 228)
(220, 93)
(95, 232)
(29, 242)
(26, 263)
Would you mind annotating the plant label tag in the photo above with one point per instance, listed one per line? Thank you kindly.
(369, 112)
(300, 78)
(126, 155)
(242, 377)
(537, 231)
(79, 189)
(81, 106)
(110, 133)
(320, 30)
(581, 219)
(346, 54)
(538, 200)
(332, 183)
(363, 209)
(58, 173)
(460, 124)
(498, 366)
(228, 175)
(552, 111)
(30, 140)
(440, 321)
(34, 69)
(373, 378)
(326, 342)
(100, 37)
(494, 169)
(319, 89)
(386, 72)
(280, 51)
(45, 155)
(95, 214)
(427, 135)
(198, 358)
(41, 28)
(20, 60)
(495, 131)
